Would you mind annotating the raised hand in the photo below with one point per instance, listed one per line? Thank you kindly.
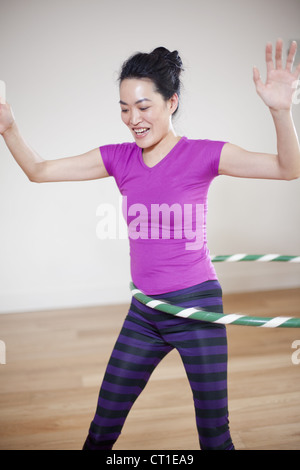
(277, 93)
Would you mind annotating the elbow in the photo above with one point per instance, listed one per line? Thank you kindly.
(36, 175)
(290, 176)
(33, 178)
(36, 178)
(295, 177)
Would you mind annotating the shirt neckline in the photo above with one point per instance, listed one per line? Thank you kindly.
(166, 157)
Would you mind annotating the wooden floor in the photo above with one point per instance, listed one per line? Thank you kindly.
(56, 360)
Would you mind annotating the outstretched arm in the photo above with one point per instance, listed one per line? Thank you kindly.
(277, 93)
(87, 166)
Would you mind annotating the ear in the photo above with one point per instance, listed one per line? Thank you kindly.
(173, 103)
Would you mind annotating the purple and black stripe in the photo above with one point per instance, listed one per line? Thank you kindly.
(145, 338)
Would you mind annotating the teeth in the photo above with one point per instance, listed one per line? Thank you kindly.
(140, 131)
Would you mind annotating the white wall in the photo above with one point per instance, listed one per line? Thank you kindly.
(60, 61)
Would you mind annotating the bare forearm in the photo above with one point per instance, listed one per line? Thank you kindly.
(24, 155)
(288, 149)
(87, 166)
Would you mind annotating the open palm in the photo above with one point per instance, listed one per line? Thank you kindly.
(277, 92)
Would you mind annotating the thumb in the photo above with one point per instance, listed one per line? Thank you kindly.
(256, 75)
(257, 80)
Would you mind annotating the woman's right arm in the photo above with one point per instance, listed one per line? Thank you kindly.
(88, 166)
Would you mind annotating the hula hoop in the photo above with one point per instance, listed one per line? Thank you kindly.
(225, 319)
(260, 258)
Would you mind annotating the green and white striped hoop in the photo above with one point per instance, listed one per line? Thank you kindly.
(225, 319)
(260, 258)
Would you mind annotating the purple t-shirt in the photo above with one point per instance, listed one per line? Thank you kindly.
(165, 208)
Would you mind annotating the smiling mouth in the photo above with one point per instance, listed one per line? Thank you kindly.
(141, 132)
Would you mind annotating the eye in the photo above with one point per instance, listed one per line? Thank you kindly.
(145, 109)
(124, 110)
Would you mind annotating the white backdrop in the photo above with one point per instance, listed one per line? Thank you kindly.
(60, 61)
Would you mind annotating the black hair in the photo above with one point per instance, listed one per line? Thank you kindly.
(161, 66)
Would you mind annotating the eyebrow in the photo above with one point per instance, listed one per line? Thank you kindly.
(137, 102)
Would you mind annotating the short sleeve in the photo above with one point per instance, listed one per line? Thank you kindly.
(205, 158)
(215, 149)
(118, 159)
(109, 154)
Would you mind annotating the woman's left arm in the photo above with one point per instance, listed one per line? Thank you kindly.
(277, 93)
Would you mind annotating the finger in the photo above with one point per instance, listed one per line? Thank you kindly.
(269, 58)
(291, 56)
(278, 53)
(257, 79)
(256, 75)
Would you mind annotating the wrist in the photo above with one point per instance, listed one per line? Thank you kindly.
(281, 113)
(11, 129)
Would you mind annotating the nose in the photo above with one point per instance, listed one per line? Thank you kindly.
(135, 117)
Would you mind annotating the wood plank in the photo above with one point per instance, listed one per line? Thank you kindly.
(56, 361)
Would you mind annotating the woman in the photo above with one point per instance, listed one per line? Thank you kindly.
(164, 179)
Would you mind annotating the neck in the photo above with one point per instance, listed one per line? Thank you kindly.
(153, 155)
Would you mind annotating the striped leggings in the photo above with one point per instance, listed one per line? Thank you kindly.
(145, 338)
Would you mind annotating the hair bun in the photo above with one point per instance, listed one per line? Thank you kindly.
(161, 66)
(172, 58)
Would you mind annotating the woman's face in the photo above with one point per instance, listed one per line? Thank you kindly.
(145, 112)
